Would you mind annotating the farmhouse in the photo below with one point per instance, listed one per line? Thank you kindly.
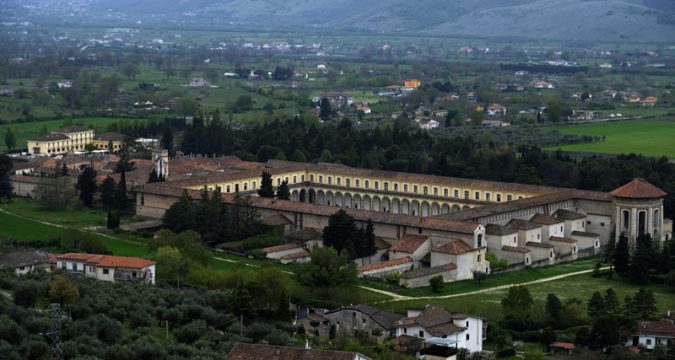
(108, 267)
(27, 262)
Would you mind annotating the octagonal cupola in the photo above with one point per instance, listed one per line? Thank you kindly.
(638, 209)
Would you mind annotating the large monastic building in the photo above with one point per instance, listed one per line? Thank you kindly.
(426, 225)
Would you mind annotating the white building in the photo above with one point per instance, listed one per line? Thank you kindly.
(108, 267)
(466, 331)
(24, 263)
(650, 334)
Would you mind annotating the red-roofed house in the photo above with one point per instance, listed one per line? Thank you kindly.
(411, 245)
(458, 252)
(649, 334)
(108, 267)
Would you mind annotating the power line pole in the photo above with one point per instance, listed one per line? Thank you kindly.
(54, 332)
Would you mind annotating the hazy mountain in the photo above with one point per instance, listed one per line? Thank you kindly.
(635, 20)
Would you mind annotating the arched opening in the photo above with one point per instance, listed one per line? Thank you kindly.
(395, 206)
(642, 222)
(425, 209)
(330, 199)
(386, 205)
(405, 207)
(455, 208)
(294, 195)
(348, 200)
(415, 208)
(358, 204)
(303, 195)
(479, 241)
(366, 202)
(376, 203)
(435, 209)
(657, 219)
(445, 209)
(312, 196)
(338, 199)
(625, 220)
(321, 197)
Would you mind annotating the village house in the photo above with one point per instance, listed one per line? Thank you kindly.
(61, 141)
(411, 84)
(336, 99)
(242, 351)
(496, 110)
(495, 123)
(364, 318)
(27, 262)
(198, 82)
(541, 84)
(106, 140)
(649, 101)
(427, 123)
(108, 267)
(650, 334)
(458, 330)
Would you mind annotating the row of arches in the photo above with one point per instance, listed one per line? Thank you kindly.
(375, 202)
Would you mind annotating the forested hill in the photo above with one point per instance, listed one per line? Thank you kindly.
(592, 20)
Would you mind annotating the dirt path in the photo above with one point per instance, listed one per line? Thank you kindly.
(396, 297)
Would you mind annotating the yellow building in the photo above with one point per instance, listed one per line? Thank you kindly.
(61, 141)
(412, 83)
(110, 139)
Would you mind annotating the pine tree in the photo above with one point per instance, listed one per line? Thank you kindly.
(644, 304)
(113, 220)
(596, 306)
(167, 140)
(611, 302)
(641, 261)
(553, 308)
(283, 192)
(86, 184)
(266, 187)
(369, 240)
(324, 109)
(107, 190)
(6, 165)
(622, 256)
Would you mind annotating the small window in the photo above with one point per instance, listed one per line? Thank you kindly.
(386, 186)
(602, 224)
(588, 222)
(106, 271)
(456, 193)
(348, 182)
(415, 189)
(405, 187)
(295, 179)
(279, 181)
(466, 194)
(227, 188)
(487, 196)
(421, 333)
(363, 321)
(648, 341)
(311, 178)
(339, 181)
(395, 187)
(245, 186)
(357, 183)
(367, 183)
(467, 325)
(467, 336)
(330, 180)
(320, 180)
(478, 261)
(445, 192)
(550, 254)
(477, 195)
(377, 185)
(142, 199)
(426, 190)
(405, 330)
(509, 197)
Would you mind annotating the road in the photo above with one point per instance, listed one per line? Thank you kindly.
(397, 297)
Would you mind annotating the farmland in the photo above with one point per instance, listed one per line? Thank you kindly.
(646, 137)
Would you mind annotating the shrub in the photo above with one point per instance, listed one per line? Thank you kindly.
(191, 332)
(436, 283)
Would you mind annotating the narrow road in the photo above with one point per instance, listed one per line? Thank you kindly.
(396, 297)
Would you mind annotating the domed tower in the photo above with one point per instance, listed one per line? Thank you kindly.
(638, 209)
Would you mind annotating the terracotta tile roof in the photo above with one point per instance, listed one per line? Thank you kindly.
(562, 345)
(520, 224)
(436, 320)
(639, 189)
(585, 234)
(305, 234)
(25, 179)
(110, 136)
(568, 215)
(385, 264)
(663, 328)
(543, 219)
(517, 249)
(454, 247)
(380, 244)
(72, 129)
(444, 329)
(297, 255)
(49, 137)
(496, 229)
(242, 351)
(383, 318)
(429, 271)
(539, 245)
(562, 239)
(409, 243)
(276, 220)
(108, 260)
(281, 247)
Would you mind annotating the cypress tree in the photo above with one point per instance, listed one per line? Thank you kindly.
(283, 192)
(266, 188)
(622, 256)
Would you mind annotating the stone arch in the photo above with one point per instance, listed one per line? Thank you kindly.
(377, 204)
(366, 202)
(330, 198)
(435, 209)
(339, 199)
(405, 207)
(445, 209)
(424, 209)
(455, 208)
(358, 202)
(348, 200)
(320, 197)
(415, 208)
(386, 204)
(395, 205)
(312, 196)
(303, 195)
(295, 195)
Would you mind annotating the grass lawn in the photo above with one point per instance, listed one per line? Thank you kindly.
(646, 137)
(580, 286)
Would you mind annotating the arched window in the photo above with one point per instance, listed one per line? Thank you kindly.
(625, 219)
(657, 218)
(642, 222)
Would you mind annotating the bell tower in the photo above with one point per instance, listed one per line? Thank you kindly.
(638, 210)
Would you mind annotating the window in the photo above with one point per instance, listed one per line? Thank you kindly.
(487, 196)
(538, 236)
(245, 186)
(588, 222)
(456, 193)
(550, 254)
(278, 181)
(467, 336)
(478, 261)
(426, 190)
(106, 271)
(74, 266)
(445, 192)
(602, 224)
(357, 183)
(509, 197)
(405, 330)
(252, 186)
(415, 189)
(386, 186)
(363, 321)
(436, 191)
(648, 341)
(348, 182)
(405, 187)
(339, 181)
(330, 180)
(295, 179)
(467, 325)
(395, 187)
(466, 194)
(367, 183)
(227, 188)
(477, 195)
(142, 199)
(479, 241)
(302, 178)
(377, 185)
(311, 178)
(421, 333)
(320, 179)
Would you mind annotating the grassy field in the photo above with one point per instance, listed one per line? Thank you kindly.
(24, 131)
(646, 137)
(580, 287)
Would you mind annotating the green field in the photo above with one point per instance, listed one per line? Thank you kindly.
(646, 137)
(24, 131)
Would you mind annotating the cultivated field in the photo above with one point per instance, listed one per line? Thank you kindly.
(646, 137)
